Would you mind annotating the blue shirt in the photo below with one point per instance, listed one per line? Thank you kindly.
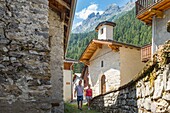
(79, 90)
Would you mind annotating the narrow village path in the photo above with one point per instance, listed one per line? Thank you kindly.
(72, 108)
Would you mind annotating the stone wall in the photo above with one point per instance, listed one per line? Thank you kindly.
(24, 57)
(56, 42)
(148, 92)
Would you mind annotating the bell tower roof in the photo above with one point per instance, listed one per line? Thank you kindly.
(104, 23)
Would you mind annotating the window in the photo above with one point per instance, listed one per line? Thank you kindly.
(101, 31)
(101, 63)
(168, 26)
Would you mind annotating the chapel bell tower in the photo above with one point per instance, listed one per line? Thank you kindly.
(105, 30)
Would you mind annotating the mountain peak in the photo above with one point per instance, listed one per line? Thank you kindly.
(112, 11)
(91, 15)
(112, 5)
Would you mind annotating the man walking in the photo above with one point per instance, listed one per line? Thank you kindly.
(79, 90)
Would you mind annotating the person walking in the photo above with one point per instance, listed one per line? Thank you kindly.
(79, 90)
(88, 96)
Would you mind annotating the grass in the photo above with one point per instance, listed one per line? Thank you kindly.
(72, 108)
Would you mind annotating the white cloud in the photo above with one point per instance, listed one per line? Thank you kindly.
(84, 13)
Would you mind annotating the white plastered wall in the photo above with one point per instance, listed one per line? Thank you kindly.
(67, 83)
(107, 32)
(111, 69)
(130, 64)
(159, 31)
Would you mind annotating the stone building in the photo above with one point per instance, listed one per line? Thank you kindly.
(110, 64)
(148, 92)
(33, 40)
(157, 14)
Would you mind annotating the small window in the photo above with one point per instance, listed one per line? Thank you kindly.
(168, 26)
(101, 63)
(101, 31)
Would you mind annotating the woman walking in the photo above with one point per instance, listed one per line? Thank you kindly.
(89, 96)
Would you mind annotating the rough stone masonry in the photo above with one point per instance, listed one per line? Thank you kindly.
(148, 92)
(25, 73)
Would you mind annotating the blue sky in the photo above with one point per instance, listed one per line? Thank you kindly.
(86, 7)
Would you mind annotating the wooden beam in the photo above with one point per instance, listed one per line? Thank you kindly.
(54, 8)
(85, 58)
(146, 16)
(66, 24)
(58, 10)
(93, 46)
(141, 15)
(114, 48)
(88, 53)
(91, 51)
(67, 17)
(72, 7)
(99, 46)
(150, 18)
(154, 9)
(85, 61)
(110, 46)
(158, 13)
(165, 6)
(147, 22)
(63, 3)
(55, 5)
(101, 42)
(63, 15)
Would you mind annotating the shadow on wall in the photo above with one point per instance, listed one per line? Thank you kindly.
(148, 92)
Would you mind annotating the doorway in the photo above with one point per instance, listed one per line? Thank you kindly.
(103, 84)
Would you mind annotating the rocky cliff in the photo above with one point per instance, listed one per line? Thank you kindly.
(112, 12)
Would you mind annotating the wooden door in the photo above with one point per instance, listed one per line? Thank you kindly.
(103, 84)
